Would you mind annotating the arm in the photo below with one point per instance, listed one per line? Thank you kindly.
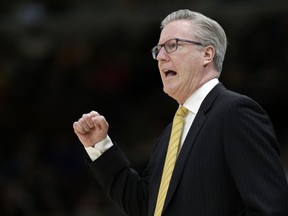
(121, 183)
(112, 170)
(252, 154)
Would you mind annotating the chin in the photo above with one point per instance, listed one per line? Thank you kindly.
(170, 94)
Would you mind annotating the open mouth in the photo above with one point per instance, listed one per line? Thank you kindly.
(169, 73)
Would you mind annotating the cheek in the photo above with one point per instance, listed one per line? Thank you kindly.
(190, 75)
(188, 67)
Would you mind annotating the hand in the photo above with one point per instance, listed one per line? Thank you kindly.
(91, 128)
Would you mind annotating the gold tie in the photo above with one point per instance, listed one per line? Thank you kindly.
(171, 157)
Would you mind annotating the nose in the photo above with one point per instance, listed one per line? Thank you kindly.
(162, 55)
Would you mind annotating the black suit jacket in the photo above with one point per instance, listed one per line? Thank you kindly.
(228, 166)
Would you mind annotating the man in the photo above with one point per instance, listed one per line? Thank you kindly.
(228, 158)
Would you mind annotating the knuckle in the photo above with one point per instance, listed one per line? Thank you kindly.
(94, 112)
(85, 116)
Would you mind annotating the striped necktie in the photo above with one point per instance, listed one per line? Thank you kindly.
(171, 156)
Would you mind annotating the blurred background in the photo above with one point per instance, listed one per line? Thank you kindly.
(62, 58)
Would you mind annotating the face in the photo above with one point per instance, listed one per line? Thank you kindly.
(181, 71)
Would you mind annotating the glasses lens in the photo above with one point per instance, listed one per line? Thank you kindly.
(171, 45)
(155, 52)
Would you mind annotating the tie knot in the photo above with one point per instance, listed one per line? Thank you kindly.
(182, 111)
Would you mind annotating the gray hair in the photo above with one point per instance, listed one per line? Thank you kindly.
(207, 31)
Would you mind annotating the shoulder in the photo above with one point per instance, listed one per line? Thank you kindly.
(228, 99)
(231, 106)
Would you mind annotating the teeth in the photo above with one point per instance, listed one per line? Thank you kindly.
(166, 71)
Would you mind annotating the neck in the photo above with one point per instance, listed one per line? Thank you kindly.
(212, 75)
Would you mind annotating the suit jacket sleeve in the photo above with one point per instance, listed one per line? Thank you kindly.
(121, 183)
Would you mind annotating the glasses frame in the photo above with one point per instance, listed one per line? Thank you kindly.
(156, 49)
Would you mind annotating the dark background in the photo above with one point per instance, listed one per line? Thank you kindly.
(62, 58)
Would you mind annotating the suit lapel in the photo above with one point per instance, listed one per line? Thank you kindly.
(158, 158)
(189, 142)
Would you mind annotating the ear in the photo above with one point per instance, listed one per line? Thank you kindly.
(209, 53)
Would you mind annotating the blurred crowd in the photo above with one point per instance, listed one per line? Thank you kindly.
(55, 66)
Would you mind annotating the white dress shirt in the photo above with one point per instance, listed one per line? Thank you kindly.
(193, 104)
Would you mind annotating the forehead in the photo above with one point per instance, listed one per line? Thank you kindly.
(177, 29)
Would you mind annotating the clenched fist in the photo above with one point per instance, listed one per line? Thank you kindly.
(91, 128)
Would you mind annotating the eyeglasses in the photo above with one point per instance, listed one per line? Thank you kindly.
(171, 46)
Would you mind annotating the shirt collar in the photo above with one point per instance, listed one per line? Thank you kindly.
(195, 100)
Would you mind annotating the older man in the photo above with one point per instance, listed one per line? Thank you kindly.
(219, 157)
